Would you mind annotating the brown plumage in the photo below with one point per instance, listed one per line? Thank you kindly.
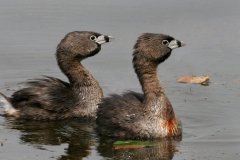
(51, 98)
(148, 116)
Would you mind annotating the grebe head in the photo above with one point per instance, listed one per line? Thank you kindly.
(156, 47)
(82, 44)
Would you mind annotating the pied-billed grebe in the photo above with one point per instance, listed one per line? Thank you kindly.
(148, 116)
(51, 98)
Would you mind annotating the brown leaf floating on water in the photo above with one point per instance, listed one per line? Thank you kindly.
(203, 80)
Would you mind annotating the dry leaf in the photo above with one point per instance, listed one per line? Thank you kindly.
(204, 80)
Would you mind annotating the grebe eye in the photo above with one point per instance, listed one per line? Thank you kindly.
(165, 42)
(92, 38)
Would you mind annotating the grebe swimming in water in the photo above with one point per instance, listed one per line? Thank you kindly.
(51, 98)
(148, 116)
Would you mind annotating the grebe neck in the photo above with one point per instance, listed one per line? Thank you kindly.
(75, 71)
(148, 78)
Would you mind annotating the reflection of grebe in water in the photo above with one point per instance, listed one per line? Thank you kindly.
(148, 116)
(51, 98)
(159, 150)
(76, 137)
(80, 141)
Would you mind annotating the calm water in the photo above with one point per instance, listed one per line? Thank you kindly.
(30, 31)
